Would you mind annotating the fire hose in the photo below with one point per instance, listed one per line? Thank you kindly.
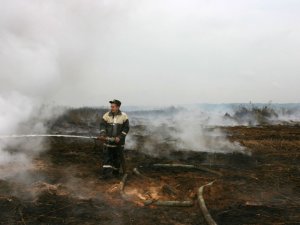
(101, 138)
(205, 212)
(45, 135)
(208, 218)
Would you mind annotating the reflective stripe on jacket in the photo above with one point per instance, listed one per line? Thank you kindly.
(115, 125)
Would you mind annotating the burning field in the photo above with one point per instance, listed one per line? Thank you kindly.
(255, 174)
(183, 71)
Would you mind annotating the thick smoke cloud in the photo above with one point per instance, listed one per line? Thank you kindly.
(195, 51)
(42, 47)
(161, 133)
(48, 50)
(158, 52)
(52, 50)
(199, 127)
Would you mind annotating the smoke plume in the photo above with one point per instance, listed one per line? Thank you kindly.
(178, 129)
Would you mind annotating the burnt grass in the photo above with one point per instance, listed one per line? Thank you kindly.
(63, 187)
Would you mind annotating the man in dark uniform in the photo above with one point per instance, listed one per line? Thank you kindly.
(114, 127)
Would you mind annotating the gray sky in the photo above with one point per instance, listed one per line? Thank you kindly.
(157, 52)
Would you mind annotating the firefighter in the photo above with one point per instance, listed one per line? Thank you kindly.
(114, 128)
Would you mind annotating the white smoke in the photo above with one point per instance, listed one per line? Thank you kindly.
(62, 49)
(48, 50)
(14, 108)
(20, 114)
(199, 127)
(179, 129)
(36, 51)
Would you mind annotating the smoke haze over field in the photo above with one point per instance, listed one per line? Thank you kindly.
(179, 130)
(73, 52)
(61, 61)
(146, 53)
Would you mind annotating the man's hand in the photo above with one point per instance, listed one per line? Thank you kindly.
(101, 138)
(117, 139)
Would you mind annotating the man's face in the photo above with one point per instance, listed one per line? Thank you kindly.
(114, 108)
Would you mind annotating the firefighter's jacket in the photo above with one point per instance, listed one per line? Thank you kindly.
(114, 125)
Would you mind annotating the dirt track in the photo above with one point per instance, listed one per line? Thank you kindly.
(261, 188)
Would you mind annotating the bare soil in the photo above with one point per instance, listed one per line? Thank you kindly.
(63, 186)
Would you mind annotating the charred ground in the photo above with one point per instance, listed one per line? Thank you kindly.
(62, 187)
